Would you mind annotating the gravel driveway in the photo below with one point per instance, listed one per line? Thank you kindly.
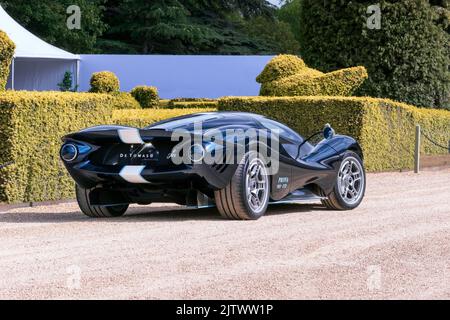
(396, 245)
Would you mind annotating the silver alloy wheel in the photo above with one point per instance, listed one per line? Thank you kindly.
(257, 185)
(351, 180)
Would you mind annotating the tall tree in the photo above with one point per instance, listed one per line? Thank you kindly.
(160, 26)
(195, 26)
(47, 19)
(290, 13)
(407, 55)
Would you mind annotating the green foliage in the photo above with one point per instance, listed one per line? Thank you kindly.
(407, 59)
(290, 13)
(183, 27)
(146, 96)
(156, 25)
(67, 83)
(47, 18)
(159, 26)
(7, 48)
(276, 35)
(104, 82)
(384, 128)
(287, 75)
(31, 127)
(145, 117)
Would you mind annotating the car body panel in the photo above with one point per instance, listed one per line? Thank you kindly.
(136, 165)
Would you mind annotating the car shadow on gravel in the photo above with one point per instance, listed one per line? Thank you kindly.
(166, 214)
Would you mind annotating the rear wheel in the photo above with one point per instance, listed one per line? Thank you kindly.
(350, 184)
(246, 197)
(97, 211)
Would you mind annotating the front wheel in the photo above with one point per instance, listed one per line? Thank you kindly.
(246, 197)
(97, 211)
(350, 184)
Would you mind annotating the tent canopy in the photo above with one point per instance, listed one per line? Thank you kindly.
(27, 44)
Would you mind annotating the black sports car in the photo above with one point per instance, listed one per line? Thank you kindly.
(239, 162)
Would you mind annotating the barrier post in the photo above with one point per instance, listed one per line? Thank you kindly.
(417, 151)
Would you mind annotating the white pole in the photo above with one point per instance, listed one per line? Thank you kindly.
(13, 68)
(417, 151)
(78, 75)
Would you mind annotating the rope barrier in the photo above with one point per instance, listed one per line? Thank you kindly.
(434, 142)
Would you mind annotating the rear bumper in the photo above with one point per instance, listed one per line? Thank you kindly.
(88, 175)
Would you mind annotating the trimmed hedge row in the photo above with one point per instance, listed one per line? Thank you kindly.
(31, 127)
(193, 100)
(288, 75)
(124, 100)
(192, 104)
(384, 128)
(145, 117)
(7, 48)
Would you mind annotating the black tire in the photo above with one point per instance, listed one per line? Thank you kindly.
(97, 211)
(335, 200)
(232, 201)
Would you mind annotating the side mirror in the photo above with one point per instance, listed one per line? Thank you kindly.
(328, 131)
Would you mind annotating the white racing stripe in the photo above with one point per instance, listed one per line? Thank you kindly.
(130, 136)
(132, 174)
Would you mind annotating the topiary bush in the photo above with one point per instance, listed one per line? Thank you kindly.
(7, 48)
(146, 96)
(384, 128)
(282, 66)
(104, 82)
(287, 75)
(407, 58)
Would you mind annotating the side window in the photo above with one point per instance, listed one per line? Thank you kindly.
(284, 130)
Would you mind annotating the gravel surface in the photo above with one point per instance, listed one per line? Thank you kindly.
(395, 246)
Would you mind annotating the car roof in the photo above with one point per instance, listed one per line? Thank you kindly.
(208, 117)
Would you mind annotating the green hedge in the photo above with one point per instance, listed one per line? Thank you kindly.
(192, 104)
(124, 100)
(31, 127)
(146, 96)
(7, 48)
(145, 117)
(288, 75)
(192, 100)
(384, 128)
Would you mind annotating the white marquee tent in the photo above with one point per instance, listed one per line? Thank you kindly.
(37, 65)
